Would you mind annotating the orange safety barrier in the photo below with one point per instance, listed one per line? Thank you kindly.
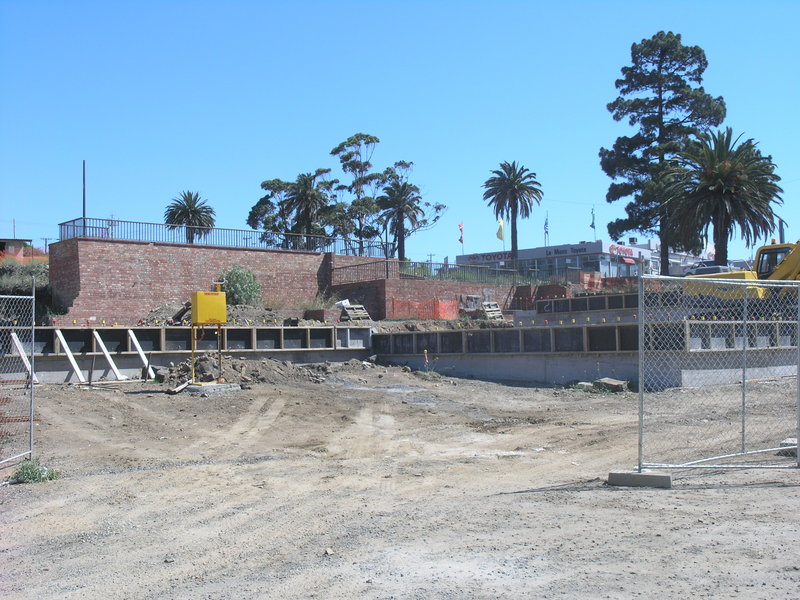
(425, 309)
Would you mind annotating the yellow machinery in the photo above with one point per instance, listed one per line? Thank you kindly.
(773, 262)
(208, 308)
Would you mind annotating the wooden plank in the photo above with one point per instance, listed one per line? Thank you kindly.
(111, 363)
(134, 340)
(355, 312)
(22, 355)
(492, 311)
(68, 352)
(180, 388)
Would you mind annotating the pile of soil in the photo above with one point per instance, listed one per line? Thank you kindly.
(240, 314)
(247, 372)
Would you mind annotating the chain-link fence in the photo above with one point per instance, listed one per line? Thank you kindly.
(16, 377)
(718, 373)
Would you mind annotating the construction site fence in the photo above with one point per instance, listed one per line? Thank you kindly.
(112, 229)
(16, 379)
(396, 269)
(7, 257)
(733, 346)
(426, 309)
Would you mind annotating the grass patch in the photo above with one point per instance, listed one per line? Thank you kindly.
(30, 471)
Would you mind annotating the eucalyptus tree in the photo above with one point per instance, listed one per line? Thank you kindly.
(355, 155)
(661, 95)
(191, 212)
(719, 183)
(269, 213)
(512, 191)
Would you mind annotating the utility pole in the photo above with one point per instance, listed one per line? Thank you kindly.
(46, 251)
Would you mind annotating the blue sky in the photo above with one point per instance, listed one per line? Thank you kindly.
(216, 97)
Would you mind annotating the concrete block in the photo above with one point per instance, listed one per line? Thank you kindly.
(611, 385)
(636, 479)
(584, 386)
(213, 389)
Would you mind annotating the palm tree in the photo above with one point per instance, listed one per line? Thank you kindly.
(305, 198)
(719, 184)
(512, 191)
(189, 211)
(400, 203)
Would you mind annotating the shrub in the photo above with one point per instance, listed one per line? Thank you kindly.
(241, 287)
(30, 471)
(16, 280)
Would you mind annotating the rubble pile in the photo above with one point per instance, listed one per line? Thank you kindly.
(244, 372)
(239, 314)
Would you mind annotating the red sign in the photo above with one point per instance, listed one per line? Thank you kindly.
(620, 250)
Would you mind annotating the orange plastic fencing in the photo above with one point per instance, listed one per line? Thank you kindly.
(425, 309)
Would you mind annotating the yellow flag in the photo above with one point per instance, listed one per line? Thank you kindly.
(501, 230)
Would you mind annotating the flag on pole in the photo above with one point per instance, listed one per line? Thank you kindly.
(501, 230)
(546, 226)
(461, 233)
(592, 225)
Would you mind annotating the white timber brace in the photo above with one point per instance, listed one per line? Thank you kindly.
(111, 363)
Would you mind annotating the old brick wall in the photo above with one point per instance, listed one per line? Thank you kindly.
(372, 294)
(376, 296)
(121, 281)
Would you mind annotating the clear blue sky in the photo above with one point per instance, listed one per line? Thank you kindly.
(216, 97)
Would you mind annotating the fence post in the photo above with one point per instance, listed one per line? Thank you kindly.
(745, 342)
(797, 376)
(33, 366)
(641, 371)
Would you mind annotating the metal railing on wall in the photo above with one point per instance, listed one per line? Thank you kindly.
(112, 229)
(394, 269)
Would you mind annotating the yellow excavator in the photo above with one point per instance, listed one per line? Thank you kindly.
(773, 262)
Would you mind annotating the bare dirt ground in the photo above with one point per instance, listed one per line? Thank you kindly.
(357, 482)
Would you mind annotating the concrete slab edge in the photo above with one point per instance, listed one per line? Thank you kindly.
(637, 479)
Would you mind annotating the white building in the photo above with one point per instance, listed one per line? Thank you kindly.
(608, 259)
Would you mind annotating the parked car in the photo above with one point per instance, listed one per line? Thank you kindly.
(692, 270)
(740, 265)
(708, 270)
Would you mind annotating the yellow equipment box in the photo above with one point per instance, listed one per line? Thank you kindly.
(209, 308)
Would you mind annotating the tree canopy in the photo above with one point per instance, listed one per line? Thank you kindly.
(403, 210)
(661, 95)
(512, 191)
(720, 183)
(318, 204)
(190, 211)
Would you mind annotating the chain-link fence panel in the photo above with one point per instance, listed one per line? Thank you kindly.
(718, 373)
(16, 375)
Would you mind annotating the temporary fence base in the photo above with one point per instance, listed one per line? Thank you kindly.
(640, 479)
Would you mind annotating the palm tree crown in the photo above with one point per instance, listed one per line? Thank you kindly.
(512, 191)
(306, 197)
(189, 211)
(400, 203)
(719, 184)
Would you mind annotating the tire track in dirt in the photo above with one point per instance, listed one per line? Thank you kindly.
(246, 429)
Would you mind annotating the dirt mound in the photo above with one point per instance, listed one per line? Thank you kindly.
(240, 314)
(246, 372)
